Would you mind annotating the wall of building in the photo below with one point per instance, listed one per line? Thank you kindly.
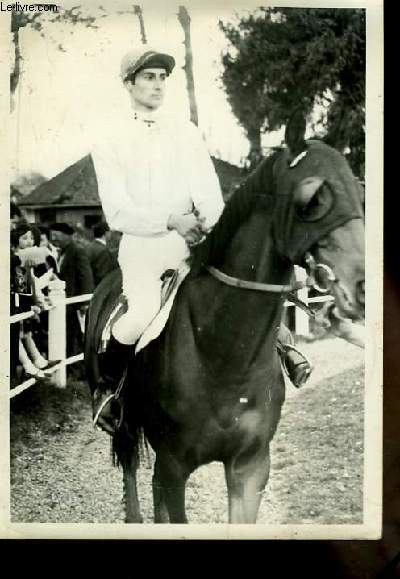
(81, 216)
(85, 217)
(30, 215)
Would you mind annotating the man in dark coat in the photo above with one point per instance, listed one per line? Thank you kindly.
(74, 268)
(101, 259)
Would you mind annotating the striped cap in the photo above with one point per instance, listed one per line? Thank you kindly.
(145, 57)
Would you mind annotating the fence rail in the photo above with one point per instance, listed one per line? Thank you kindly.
(57, 328)
(57, 335)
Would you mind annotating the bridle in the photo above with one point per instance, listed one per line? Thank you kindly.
(312, 268)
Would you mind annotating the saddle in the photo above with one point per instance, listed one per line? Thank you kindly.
(171, 280)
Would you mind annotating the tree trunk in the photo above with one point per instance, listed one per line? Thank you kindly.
(184, 20)
(15, 74)
(139, 13)
(255, 154)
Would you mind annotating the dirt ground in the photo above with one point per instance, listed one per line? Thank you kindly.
(61, 467)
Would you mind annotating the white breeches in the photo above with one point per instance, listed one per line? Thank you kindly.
(143, 260)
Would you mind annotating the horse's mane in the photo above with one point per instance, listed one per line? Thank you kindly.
(236, 211)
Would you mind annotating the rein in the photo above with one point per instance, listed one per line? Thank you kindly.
(283, 289)
(253, 285)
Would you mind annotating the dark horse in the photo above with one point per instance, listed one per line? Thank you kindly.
(211, 388)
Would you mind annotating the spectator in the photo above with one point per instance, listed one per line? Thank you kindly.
(35, 233)
(101, 259)
(45, 242)
(44, 270)
(38, 258)
(74, 268)
(21, 301)
(24, 299)
(16, 216)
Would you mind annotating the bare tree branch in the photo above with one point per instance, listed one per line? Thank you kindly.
(16, 71)
(139, 13)
(184, 20)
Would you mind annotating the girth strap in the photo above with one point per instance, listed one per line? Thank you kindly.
(253, 285)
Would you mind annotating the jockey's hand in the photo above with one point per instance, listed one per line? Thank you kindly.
(188, 226)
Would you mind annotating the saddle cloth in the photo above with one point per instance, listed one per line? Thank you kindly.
(171, 280)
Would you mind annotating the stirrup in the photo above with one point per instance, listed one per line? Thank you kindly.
(285, 348)
(101, 408)
(114, 395)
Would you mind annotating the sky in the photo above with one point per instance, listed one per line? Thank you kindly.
(66, 97)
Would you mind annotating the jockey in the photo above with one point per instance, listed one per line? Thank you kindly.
(158, 186)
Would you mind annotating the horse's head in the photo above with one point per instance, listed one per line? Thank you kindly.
(319, 218)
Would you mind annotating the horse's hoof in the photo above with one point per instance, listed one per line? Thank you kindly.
(134, 520)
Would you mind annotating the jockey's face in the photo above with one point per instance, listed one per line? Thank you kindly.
(147, 88)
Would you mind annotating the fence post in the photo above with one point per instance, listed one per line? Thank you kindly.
(301, 324)
(57, 336)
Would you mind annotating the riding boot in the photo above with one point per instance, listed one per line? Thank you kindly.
(295, 364)
(106, 408)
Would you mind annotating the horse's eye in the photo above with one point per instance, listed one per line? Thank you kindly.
(313, 199)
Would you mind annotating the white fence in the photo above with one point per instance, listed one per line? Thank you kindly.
(57, 334)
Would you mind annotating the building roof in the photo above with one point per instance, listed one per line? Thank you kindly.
(76, 186)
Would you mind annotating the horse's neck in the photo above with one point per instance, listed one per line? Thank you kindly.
(241, 325)
(252, 255)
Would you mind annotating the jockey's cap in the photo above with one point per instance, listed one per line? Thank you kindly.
(145, 57)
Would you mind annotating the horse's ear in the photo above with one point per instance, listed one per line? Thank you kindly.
(295, 132)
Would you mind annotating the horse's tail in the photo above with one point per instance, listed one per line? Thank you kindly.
(125, 442)
(130, 439)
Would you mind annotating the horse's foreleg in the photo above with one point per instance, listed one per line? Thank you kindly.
(171, 477)
(246, 478)
(160, 506)
(132, 505)
(128, 458)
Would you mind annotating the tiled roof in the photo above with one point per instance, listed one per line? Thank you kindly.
(76, 185)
